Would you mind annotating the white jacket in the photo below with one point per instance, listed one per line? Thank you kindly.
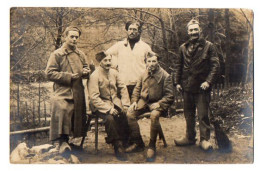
(130, 63)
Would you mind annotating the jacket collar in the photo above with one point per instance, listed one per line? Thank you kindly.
(157, 75)
(102, 70)
(67, 51)
(201, 42)
(126, 42)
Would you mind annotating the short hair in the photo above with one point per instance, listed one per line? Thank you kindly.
(191, 22)
(152, 54)
(133, 22)
(72, 28)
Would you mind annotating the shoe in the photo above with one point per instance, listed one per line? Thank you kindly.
(134, 148)
(184, 141)
(150, 157)
(206, 145)
(64, 148)
(120, 154)
(120, 151)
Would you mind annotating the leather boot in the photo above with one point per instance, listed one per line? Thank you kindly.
(119, 151)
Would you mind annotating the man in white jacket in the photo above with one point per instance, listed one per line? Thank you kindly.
(128, 55)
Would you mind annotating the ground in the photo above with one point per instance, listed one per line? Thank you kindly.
(173, 128)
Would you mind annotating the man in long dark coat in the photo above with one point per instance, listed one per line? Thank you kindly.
(196, 72)
(66, 68)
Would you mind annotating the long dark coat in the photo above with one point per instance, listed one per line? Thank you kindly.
(68, 102)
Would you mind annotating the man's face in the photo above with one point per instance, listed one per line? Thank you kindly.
(133, 31)
(72, 38)
(106, 62)
(152, 63)
(194, 31)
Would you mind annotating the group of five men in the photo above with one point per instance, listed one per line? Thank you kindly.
(128, 83)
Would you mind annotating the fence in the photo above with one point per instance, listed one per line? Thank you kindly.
(216, 92)
(40, 119)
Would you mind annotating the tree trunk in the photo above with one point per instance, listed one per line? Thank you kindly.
(165, 43)
(59, 24)
(39, 102)
(211, 25)
(227, 58)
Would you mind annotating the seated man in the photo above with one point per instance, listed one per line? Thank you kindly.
(153, 92)
(103, 85)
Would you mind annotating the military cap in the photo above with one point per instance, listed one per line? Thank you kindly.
(100, 56)
(72, 28)
(193, 21)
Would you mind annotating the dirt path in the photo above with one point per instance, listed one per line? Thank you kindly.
(173, 128)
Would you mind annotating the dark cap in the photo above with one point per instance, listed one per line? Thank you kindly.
(100, 56)
(72, 28)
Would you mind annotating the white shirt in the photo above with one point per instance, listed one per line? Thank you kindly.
(129, 62)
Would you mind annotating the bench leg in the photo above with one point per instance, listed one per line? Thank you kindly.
(161, 136)
(96, 134)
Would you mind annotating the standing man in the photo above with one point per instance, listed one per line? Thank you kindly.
(103, 85)
(152, 93)
(66, 68)
(196, 71)
(128, 55)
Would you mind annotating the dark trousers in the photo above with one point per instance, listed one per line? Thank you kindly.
(115, 127)
(134, 129)
(201, 102)
(130, 89)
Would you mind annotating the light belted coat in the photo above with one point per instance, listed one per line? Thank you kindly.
(103, 87)
(67, 92)
(157, 88)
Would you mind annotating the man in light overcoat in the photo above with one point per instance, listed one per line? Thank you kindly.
(67, 67)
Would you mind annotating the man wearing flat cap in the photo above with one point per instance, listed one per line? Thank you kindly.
(152, 93)
(128, 55)
(67, 67)
(104, 85)
(196, 72)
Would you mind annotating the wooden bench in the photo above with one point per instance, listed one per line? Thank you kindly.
(101, 121)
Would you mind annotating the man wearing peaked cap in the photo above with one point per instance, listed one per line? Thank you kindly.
(196, 72)
(67, 67)
(104, 85)
(128, 56)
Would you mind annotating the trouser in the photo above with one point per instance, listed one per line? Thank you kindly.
(130, 89)
(115, 127)
(135, 135)
(201, 102)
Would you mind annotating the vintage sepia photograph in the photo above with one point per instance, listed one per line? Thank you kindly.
(131, 85)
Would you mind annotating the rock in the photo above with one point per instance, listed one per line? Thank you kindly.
(52, 161)
(74, 160)
(53, 150)
(42, 148)
(19, 154)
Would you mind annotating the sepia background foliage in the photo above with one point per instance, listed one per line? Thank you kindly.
(36, 32)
